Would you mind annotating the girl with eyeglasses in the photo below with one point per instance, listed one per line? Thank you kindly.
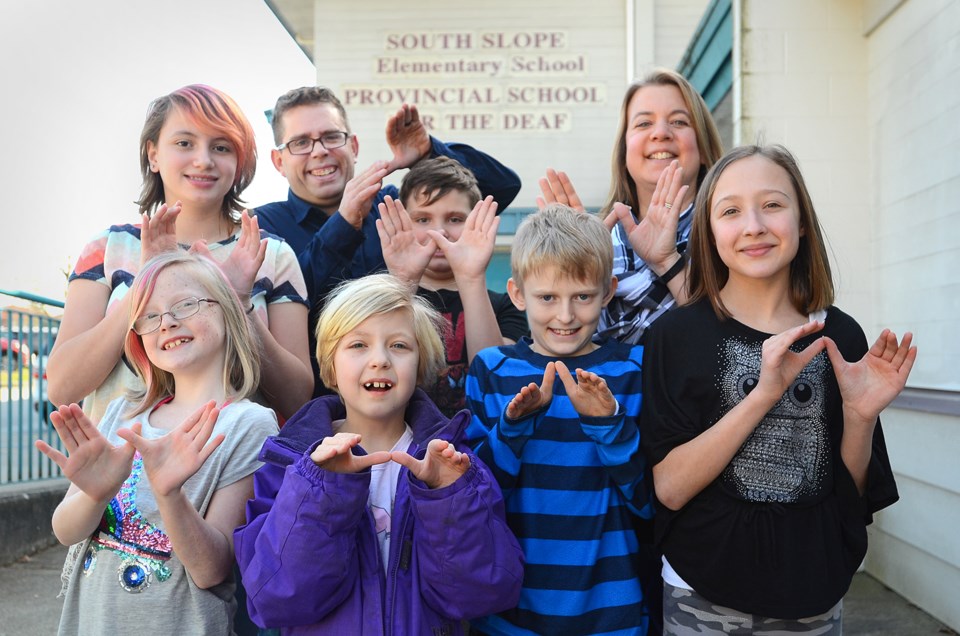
(197, 155)
(159, 485)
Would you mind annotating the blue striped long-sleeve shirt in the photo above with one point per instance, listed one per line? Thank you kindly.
(572, 486)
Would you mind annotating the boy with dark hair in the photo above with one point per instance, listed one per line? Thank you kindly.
(432, 239)
(567, 455)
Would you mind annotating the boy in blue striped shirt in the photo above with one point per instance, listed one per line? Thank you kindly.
(566, 453)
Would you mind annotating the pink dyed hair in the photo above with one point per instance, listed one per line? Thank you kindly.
(213, 110)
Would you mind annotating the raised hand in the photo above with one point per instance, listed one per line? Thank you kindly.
(470, 254)
(172, 459)
(655, 237)
(556, 187)
(336, 454)
(779, 365)
(93, 464)
(405, 256)
(588, 393)
(245, 260)
(360, 191)
(407, 137)
(158, 233)
(868, 385)
(532, 397)
(441, 466)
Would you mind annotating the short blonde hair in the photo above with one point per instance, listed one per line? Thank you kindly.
(576, 243)
(352, 302)
(241, 370)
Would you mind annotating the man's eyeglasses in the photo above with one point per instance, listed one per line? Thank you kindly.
(304, 145)
(150, 322)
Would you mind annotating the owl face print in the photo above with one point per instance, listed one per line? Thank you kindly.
(785, 457)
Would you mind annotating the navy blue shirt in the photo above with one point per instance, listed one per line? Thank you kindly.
(330, 250)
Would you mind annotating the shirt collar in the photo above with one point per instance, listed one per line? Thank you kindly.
(300, 208)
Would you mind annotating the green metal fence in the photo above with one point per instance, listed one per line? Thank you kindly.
(26, 337)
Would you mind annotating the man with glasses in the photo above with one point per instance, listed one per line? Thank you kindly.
(329, 217)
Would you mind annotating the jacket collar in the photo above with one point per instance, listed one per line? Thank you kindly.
(314, 422)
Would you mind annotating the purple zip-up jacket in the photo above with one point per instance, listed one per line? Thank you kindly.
(309, 554)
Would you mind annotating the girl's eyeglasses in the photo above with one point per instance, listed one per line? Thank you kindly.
(150, 322)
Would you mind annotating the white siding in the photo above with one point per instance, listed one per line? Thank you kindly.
(913, 84)
(914, 547)
(914, 107)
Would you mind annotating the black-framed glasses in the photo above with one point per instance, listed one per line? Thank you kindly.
(150, 322)
(304, 145)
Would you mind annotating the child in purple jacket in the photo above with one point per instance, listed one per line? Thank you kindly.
(403, 535)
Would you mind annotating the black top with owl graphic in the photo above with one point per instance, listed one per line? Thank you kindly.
(782, 530)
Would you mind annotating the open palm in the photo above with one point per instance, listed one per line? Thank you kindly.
(589, 393)
(871, 383)
(470, 254)
(405, 256)
(172, 459)
(92, 464)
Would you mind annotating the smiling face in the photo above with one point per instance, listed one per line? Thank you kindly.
(446, 215)
(659, 130)
(375, 365)
(321, 176)
(197, 166)
(562, 313)
(755, 220)
(194, 345)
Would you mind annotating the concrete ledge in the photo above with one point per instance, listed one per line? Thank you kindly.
(25, 513)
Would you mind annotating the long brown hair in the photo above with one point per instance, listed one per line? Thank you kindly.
(622, 187)
(811, 283)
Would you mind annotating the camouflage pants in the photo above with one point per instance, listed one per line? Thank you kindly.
(686, 613)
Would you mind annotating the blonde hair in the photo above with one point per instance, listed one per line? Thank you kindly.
(811, 283)
(241, 370)
(574, 242)
(352, 302)
(622, 187)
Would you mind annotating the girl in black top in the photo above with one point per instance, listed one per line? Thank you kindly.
(760, 414)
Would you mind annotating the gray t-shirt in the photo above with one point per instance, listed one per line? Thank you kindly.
(126, 575)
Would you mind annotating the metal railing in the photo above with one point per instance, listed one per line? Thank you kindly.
(26, 337)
